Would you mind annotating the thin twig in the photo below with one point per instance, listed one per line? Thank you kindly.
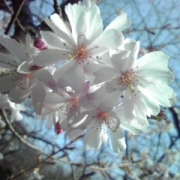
(17, 135)
(14, 17)
(17, 20)
(57, 8)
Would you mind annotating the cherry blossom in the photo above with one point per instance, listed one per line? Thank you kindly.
(85, 41)
(11, 80)
(103, 123)
(86, 79)
(142, 83)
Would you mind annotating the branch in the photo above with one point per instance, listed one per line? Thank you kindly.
(17, 135)
(17, 20)
(57, 8)
(14, 17)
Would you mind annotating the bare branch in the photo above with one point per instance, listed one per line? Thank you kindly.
(57, 8)
(14, 17)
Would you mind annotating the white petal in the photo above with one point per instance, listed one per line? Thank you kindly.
(97, 51)
(16, 115)
(154, 60)
(94, 23)
(86, 103)
(74, 133)
(90, 68)
(88, 4)
(38, 96)
(54, 98)
(14, 48)
(4, 101)
(29, 46)
(122, 65)
(119, 61)
(117, 141)
(25, 67)
(53, 41)
(127, 63)
(134, 53)
(109, 100)
(160, 93)
(64, 34)
(155, 95)
(128, 105)
(109, 38)
(105, 74)
(19, 95)
(152, 104)
(74, 78)
(129, 44)
(85, 89)
(9, 60)
(8, 82)
(6, 66)
(95, 97)
(114, 121)
(120, 23)
(46, 77)
(55, 18)
(77, 20)
(114, 85)
(49, 57)
(82, 120)
(134, 127)
(94, 138)
(165, 76)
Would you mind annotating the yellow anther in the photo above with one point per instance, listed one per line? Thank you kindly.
(127, 79)
(29, 76)
(70, 56)
(132, 88)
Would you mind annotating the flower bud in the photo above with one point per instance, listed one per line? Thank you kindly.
(40, 44)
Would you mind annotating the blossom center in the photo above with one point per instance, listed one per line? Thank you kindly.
(80, 54)
(75, 101)
(127, 79)
(103, 116)
(29, 76)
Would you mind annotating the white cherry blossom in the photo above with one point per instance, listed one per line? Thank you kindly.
(103, 123)
(12, 80)
(142, 83)
(85, 41)
(65, 100)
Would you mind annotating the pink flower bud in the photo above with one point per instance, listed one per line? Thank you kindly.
(162, 115)
(40, 44)
(58, 128)
(35, 67)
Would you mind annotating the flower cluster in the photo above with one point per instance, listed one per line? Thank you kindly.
(87, 78)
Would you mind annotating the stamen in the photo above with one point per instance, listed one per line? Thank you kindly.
(29, 76)
(70, 56)
(75, 102)
(80, 54)
(128, 79)
(104, 116)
